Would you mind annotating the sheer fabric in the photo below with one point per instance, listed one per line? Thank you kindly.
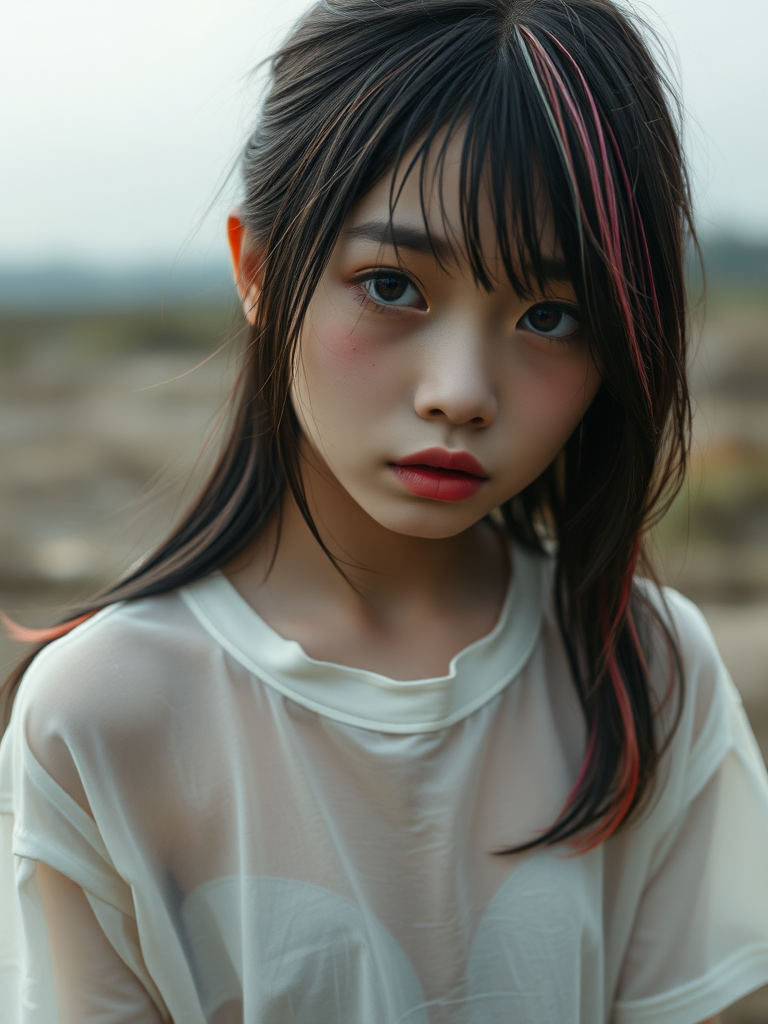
(202, 824)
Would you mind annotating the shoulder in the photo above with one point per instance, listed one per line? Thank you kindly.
(115, 683)
(674, 634)
(696, 694)
(124, 651)
(679, 641)
(686, 623)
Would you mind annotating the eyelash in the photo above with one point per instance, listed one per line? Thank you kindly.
(565, 308)
(365, 300)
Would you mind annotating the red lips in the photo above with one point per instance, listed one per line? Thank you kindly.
(440, 474)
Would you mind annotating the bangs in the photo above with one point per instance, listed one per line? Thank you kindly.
(503, 165)
(539, 147)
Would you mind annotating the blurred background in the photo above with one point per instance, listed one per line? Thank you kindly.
(121, 123)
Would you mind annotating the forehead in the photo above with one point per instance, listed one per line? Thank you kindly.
(419, 204)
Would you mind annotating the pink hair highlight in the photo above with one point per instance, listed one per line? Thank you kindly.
(629, 776)
(641, 236)
(630, 768)
(25, 635)
(557, 95)
(560, 101)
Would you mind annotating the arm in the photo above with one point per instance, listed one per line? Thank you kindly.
(92, 982)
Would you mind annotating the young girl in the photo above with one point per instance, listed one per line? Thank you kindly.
(387, 731)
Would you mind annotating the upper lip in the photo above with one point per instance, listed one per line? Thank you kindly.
(442, 458)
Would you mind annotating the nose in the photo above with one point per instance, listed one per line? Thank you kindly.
(456, 383)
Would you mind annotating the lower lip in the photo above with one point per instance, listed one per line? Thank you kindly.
(439, 484)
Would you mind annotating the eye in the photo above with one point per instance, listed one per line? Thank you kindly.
(551, 320)
(390, 288)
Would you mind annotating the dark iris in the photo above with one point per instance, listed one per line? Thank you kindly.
(389, 287)
(545, 318)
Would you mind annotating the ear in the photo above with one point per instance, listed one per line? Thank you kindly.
(245, 264)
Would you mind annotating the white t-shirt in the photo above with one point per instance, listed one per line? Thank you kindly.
(256, 836)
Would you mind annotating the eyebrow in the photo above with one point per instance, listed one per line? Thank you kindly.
(404, 236)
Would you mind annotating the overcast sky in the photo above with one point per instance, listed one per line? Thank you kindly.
(120, 118)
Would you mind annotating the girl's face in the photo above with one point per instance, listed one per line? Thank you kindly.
(429, 400)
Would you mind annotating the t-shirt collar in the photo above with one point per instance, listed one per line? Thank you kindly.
(367, 699)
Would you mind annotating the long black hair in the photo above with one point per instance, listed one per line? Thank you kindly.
(563, 94)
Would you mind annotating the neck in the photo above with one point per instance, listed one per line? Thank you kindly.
(382, 567)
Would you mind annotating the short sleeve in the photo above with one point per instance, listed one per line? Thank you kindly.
(700, 936)
(87, 919)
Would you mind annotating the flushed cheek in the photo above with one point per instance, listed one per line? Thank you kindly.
(337, 343)
(546, 408)
(347, 388)
(346, 370)
(332, 338)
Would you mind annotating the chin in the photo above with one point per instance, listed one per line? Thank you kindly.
(436, 521)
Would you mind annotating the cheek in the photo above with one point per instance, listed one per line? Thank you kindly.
(342, 341)
(346, 381)
(333, 356)
(549, 395)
